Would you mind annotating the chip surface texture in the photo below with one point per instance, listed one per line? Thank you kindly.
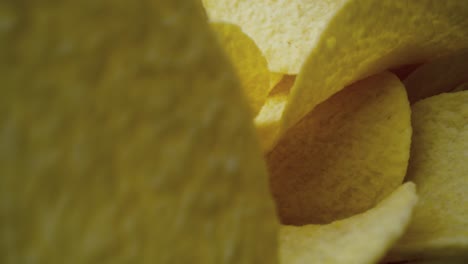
(360, 239)
(124, 138)
(438, 166)
(345, 156)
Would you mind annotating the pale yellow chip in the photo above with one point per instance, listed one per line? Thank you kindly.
(268, 119)
(366, 37)
(345, 156)
(438, 76)
(361, 239)
(285, 31)
(124, 138)
(249, 63)
(439, 167)
(332, 44)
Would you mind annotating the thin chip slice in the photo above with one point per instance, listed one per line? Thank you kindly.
(366, 37)
(250, 65)
(439, 167)
(268, 119)
(124, 138)
(438, 76)
(285, 31)
(360, 239)
(345, 156)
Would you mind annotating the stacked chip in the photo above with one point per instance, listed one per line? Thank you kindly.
(343, 136)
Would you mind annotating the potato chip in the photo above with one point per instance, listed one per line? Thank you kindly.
(124, 138)
(360, 239)
(343, 40)
(285, 31)
(366, 37)
(439, 167)
(250, 65)
(438, 76)
(345, 156)
(268, 120)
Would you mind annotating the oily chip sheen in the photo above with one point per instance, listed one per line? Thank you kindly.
(360, 239)
(366, 37)
(249, 63)
(124, 138)
(438, 166)
(345, 156)
(438, 76)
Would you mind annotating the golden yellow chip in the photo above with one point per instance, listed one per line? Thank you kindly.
(345, 156)
(124, 138)
(438, 76)
(250, 65)
(439, 167)
(366, 37)
(268, 119)
(361, 239)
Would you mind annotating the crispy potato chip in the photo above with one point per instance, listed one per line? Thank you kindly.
(360, 239)
(366, 37)
(268, 120)
(124, 138)
(344, 40)
(285, 31)
(250, 65)
(439, 167)
(345, 156)
(438, 76)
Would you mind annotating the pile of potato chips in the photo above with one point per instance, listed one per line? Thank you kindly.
(129, 135)
(366, 133)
